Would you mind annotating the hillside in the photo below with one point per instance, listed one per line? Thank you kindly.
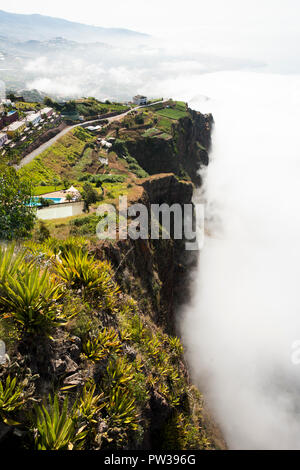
(89, 325)
(42, 28)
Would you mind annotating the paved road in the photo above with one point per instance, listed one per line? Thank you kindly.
(50, 142)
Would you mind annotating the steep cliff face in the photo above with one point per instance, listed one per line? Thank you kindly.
(183, 154)
(154, 267)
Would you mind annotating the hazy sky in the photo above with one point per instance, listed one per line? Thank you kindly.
(153, 17)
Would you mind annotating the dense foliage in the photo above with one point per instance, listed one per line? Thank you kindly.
(57, 294)
(16, 215)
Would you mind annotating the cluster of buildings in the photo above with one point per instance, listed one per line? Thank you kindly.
(106, 144)
(140, 100)
(11, 126)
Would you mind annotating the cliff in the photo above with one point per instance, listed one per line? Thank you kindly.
(97, 342)
(182, 153)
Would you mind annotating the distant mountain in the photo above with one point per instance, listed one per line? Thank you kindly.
(43, 28)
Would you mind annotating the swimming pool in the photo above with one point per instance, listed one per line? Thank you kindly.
(35, 202)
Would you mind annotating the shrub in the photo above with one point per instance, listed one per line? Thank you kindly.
(16, 215)
(10, 399)
(43, 232)
(121, 409)
(31, 299)
(11, 261)
(81, 271)
(99, 347)
(90, 404)
(118, 373)
(55, 429)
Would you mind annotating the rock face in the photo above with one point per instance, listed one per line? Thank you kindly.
(166, 188)
(183, 154)
(158, 266)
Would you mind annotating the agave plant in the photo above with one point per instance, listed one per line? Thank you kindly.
(56, 429)
(10, 399)
(11, 262)
(176, 346)
(81, 271)
(78, 270)
(118, 372)
(90, 404)
(121, 409)
(31, 299)
(99, 347)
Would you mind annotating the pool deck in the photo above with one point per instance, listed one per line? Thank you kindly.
(56, 194)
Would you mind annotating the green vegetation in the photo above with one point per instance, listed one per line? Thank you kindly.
(39, 190)
(56, 428)
(10, 399)
(96, 179)
(56, 288)
(29, 295)
(24, 106)
(57, 161)
(99, 347)
(175, 112)
(88, 107)
(16, 216)
(92, 364)
(165, 124)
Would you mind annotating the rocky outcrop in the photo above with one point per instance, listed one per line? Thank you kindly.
(166, 188)
(183, 154)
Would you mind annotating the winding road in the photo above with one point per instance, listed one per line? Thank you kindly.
(50, 142)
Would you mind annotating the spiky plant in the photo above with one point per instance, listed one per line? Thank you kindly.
(11, 399)
(176, 346)
(90, 404)
(121, 409)
(81, 271)
(11, 261)
(118, 373)
(99, 347)
(32, 299)
(56, 429)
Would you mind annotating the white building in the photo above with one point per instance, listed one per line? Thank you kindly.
(3, 138)
(33, 119)
(140, 100)
(47, 111)
(105, 144)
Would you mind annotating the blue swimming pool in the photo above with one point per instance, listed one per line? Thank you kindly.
(35, 202)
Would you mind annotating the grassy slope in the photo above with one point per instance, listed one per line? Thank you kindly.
(59, 159)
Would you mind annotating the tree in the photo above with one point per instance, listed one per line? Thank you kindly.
(48, 101)
(11, 96)
(56, 182)
(16, 216)
(43, 232)
(66, 183)
(89, 196)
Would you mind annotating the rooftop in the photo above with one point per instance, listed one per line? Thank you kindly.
(15, 125)
(46, 110)
(32, 117)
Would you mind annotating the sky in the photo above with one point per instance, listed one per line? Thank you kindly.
(152, 17)
(266, 31)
